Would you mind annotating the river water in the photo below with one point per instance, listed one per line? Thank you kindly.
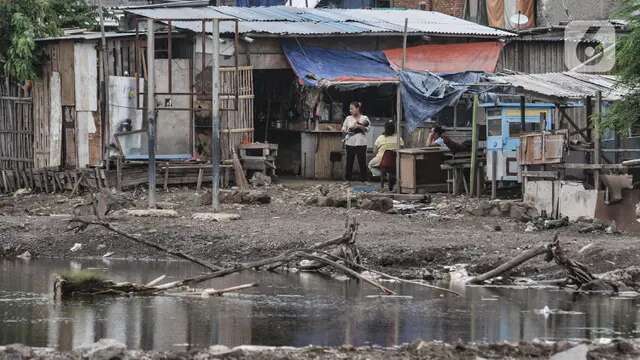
(293, 309)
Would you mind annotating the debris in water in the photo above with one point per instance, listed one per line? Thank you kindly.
(76, 247)
(408, 297)
(544, 311)
(25, 255)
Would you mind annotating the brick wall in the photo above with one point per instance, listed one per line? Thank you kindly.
(449, 7)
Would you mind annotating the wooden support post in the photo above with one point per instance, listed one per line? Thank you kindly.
(199, 183)
(5, 182)
(45, 179)
(494, 174)
(474, 145)
(96, 173)
(119, 173)
(596, 138)
(151, 109)
(166, 178)
(215, 118)
(479, 181)
(32, 178)
(399, 106)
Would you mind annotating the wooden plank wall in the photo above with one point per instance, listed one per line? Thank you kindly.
(237, 126)
(41, 113)
(88, 124)
(16, 127)
(55, 121)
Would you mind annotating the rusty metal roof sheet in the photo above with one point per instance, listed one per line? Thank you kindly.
(285, 20)
(567, 85)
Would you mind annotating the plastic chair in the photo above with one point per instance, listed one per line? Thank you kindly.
(388, 167)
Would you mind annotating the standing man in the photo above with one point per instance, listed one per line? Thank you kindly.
(355, 128)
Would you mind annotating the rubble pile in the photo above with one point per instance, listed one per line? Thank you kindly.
(251, 197)
(514, 209)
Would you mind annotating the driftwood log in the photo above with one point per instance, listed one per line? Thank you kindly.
(577, 273)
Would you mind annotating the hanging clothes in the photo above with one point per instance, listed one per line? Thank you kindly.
(495, 13)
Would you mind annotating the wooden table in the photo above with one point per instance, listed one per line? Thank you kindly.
(420, 170)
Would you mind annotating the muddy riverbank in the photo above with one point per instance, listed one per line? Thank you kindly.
(417, 244)
(107, 349)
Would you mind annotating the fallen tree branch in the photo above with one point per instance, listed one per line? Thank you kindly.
(525, 256)
(219, 292)
(286, 257)
(348, 237)
(347, 271)
(391, 277)
(83, 223)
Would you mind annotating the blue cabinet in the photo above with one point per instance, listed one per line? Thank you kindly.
(504, 127)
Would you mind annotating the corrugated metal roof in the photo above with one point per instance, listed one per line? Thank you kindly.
(567, 85)
(285, 20)
(200, 13)
(87, 36)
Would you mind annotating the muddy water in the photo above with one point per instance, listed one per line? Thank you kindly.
(291, 309)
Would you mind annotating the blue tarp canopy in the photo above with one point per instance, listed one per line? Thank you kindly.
(425, 94)
(318, 67)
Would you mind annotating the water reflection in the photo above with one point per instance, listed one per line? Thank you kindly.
(290, 309)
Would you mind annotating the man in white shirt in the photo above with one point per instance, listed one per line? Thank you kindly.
(355, 128)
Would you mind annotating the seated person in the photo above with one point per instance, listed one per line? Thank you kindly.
(387, 141)
(437, 137)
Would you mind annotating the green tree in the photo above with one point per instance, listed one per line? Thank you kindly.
(24, 21)
(626, 114)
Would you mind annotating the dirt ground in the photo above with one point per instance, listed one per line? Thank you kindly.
(420, 244)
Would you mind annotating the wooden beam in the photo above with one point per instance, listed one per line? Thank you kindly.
(596, 138)
(474, 144)
(541, 174)
(590, 166)
(573, 124)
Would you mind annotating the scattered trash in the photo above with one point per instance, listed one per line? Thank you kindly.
(152, 213)
(25, 255)
(219, 217)
(408, 297)
(612, 229)
(544, 311)
(542, 223)
(22, 191)
(76, 247)
(259, 179)
(109, 254)
(584, 248)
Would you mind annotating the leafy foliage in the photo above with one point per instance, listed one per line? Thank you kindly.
(626, 114)
(24, 21)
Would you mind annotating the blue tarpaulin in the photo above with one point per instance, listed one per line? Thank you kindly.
(425, 94)
(254, 3)
(316, 66)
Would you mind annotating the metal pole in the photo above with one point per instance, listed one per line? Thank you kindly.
(474, 146)
(399, 105)
(106, 135)
(215, 117)
(151, 116)
(596, 139)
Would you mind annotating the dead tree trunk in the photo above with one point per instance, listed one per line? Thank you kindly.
(525, 256)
